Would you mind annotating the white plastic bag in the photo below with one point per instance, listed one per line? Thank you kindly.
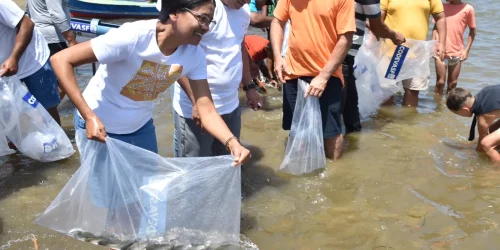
(304, 149)
(29, 126)
(130, 198)
(4, 146)
(380, 65)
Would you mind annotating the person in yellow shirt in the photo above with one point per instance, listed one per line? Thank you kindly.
(411, 18)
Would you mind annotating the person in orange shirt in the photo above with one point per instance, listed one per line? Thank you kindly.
(259, 49)
(321, 33)
(459, 15)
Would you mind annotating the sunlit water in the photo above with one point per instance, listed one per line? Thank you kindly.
(410, 180)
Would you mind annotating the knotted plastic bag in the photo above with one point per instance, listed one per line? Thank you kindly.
(380, 65)
(304, 150)
(126, 197)
(29, 126)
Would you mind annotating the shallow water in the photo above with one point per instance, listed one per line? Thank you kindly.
(410, 180)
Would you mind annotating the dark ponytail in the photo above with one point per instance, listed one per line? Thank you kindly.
(172, 6)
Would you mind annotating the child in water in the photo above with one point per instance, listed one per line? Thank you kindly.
(485, 106)
(459, 16)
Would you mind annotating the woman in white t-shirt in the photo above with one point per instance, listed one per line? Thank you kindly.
(138, 61)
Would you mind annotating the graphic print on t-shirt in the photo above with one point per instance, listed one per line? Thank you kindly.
(151, 80)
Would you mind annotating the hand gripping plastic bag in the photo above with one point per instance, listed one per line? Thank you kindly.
(29, 126)
(399, 62)
(371, 93)
(380, 65)
(304, 150)
(126, 197)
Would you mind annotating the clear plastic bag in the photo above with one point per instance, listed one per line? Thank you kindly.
(4, 146)
(29, 126)
(380, 65)
(304, 149)
(126, 197)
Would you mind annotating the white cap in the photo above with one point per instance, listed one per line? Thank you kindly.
(158, 5)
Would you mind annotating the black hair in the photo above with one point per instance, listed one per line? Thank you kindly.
(172, 6)
(456, 98)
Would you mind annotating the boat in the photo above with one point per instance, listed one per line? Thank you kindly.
(113, 9)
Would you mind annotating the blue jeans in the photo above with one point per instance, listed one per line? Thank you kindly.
(104, 185)
(43, 85)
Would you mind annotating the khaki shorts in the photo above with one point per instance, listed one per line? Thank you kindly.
(416, 83)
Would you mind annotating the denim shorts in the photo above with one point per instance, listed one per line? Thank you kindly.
(330, 104)
(103, 184)
(43, 85)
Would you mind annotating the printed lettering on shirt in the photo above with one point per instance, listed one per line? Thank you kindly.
(151, 80)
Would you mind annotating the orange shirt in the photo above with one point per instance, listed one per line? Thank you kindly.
(256, 46)
(314, 32)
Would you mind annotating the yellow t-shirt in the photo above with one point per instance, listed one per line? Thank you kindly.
(410, 17)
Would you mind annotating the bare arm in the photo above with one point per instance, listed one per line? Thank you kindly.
(482, 128)
(383, 15)
(470, 39)
(440, 19)
(258, 20)
(277, 30)
(60, 21)
(23, 38)
(247, 76)
(212, 121)
(318, 83)
(63, 64)
(186, 86)
(338, 54)
(265, 10)
(380, 29)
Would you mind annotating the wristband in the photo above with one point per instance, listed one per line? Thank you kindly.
(249, 86)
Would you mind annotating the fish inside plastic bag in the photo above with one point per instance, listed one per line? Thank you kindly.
(130, 198)
(380, 65)
(29, 126)
(305, 150)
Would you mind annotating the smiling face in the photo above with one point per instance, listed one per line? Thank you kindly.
(191, 24)
(235, 4)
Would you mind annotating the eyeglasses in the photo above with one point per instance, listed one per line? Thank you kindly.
(203, 19)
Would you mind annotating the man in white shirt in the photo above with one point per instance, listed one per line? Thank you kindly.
(228, 65)
(25, 53)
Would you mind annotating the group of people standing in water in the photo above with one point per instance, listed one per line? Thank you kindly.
(199, 47)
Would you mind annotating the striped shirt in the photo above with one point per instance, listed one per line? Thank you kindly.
(364, 9)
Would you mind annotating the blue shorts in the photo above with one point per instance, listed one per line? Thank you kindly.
(329, 103)
(104, 182)
(43, 85)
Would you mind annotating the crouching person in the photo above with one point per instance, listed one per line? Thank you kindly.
(485, 106)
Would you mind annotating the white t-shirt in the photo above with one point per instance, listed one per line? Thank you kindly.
(36, 54)
(222, 46)
(133, 72)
